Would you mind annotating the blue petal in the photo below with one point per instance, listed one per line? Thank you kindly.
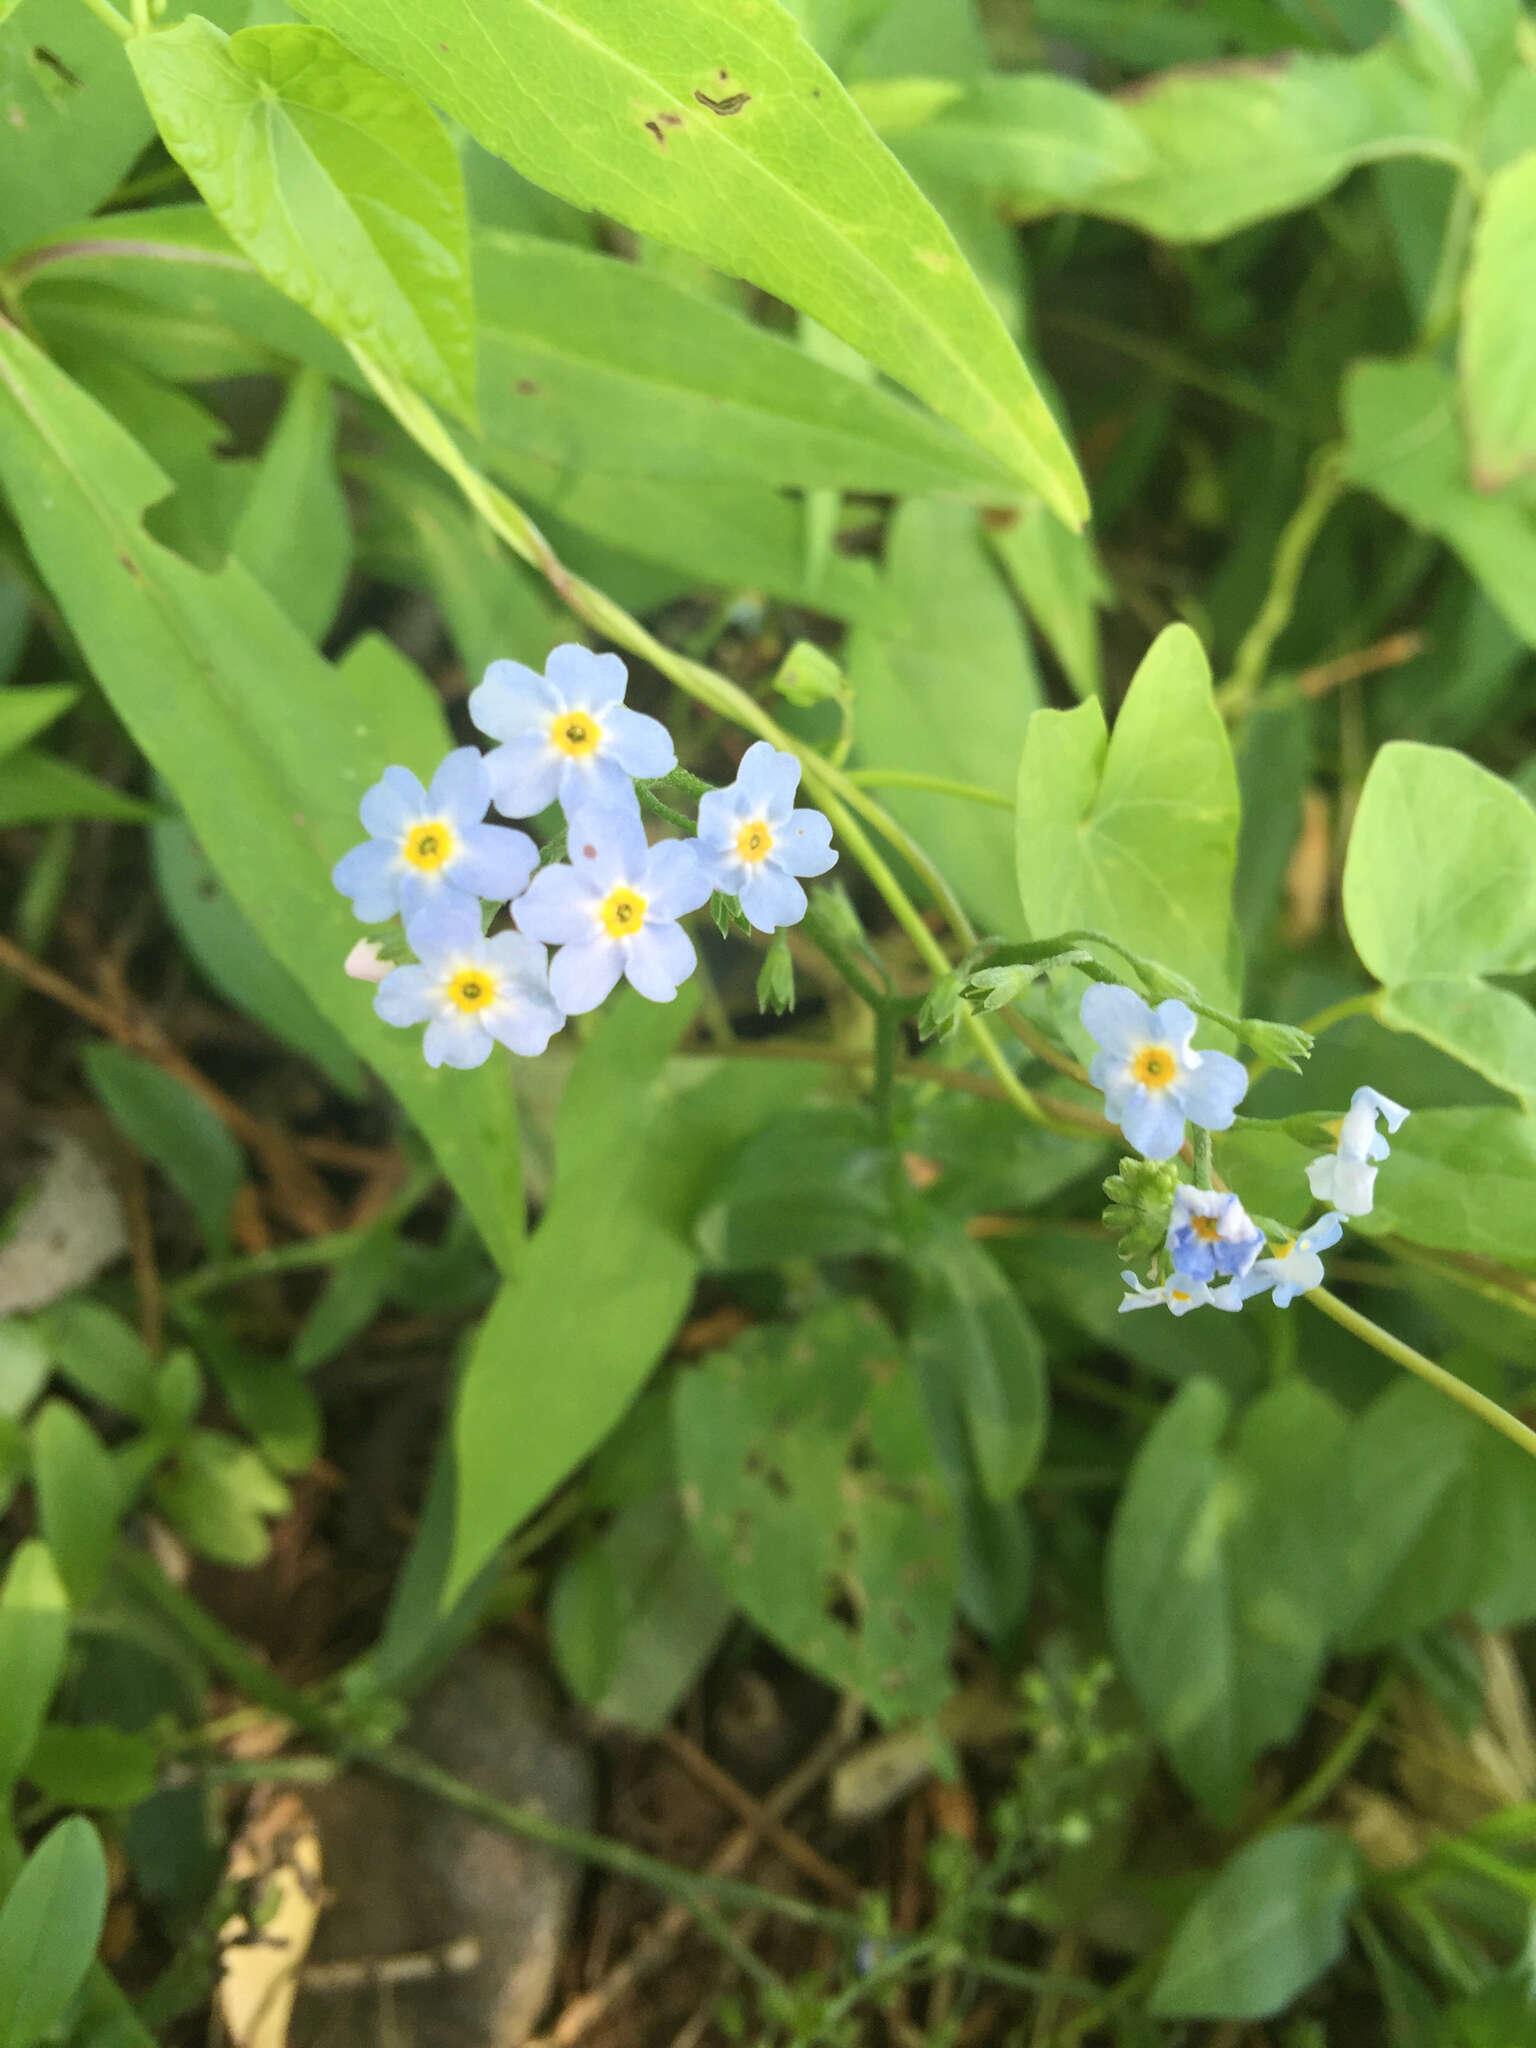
(595, 782)
(580, 976)
(584, 678)
(518, 959)
(1173, 1020)
(1153, 1123)
(394, 800)
(768, 779)
(406, 996)
(657, 959)
(676, 879)
(524, 775)
(370, 875)
(1116, 1018)
(641, 746)
(1392, 1113)
(771, 898)
(496, 862)
(513, 700)
(722, 813)
(1322, 1235)
(1209, 1093)
(526, 1022)
(461, 788)
(455, 1041)
(422, 891)
(607, 844)
(804, 845)
(1194, 1257)
(447, 926)
(559, 906)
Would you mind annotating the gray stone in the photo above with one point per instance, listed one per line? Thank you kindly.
(405, 1874)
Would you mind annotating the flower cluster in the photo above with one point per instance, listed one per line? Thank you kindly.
(1212, 1253)
(610, 908)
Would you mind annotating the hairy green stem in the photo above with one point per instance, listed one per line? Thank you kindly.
(1415, 1362)
(294, 1258)
(1325, 487)
(1337, 1764)
(1200, 1148)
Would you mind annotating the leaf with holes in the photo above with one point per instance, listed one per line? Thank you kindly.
(807, 1473)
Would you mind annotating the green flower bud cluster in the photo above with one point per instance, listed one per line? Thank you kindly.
(1140, 1200)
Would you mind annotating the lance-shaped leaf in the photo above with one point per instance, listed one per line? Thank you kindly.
(1498, 345)
(267, 746)
(713, 125)
(340, 185)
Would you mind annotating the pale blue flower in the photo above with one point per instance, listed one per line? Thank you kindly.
(425, 844)
(566, 734)
(1179, 1295)
(1297, 1269)
(1151, 1078)
(755, 843)
(470, 991)
(1347, 1177)
(613, 911)
(1211, 1233)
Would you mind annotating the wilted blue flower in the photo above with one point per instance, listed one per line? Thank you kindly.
(1297, 1269)
(754, 842)
(1178, 1295)
(1211, 1233)
(566, 734)
(1151, 1078)
(468, 990)
(613, 911)
(425, 844)
(1347, 1178)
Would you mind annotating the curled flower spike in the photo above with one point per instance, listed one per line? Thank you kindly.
(1210, 1233)
(425, 844)
(613, 911)
(1347, 1177)
(755, 843)
(566, 734)
(1179, 1295)
(470, 991)
(1151, 1077)
(1297, 1269)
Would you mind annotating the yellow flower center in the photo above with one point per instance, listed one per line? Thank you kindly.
(1286, 1249)
(623, 913)
(1177, 1294)
(1154, 1066)
(573, 732)
(754, 842)
(428, 845)
(1206, 1228)
(471, 989)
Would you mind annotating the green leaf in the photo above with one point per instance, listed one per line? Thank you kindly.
(226, 949)
(1265, 1927)
(1020, 139)
(340, 185)
(730, 138)
(805, 1470)
(24, 1365)
(220, 1495)
(294, 533)
(1219, 1578)
(176, 1129)
(267, 1397)
(35, 789)
(944, 683)
(24, 713)
(98, 1766)
(49, 1927)
(1498, 351)
(100, 1354)
(1057, 574)
(635, 1614)
(591, 363)
(812, 1185)
(268, 747)
(1403, 441)
(1441, 870)
(80, 1497)
(970, 1325)
(1489, 1029)
(352, 1296)
(1136, 834)
(34, 1636)
(1461, 1180)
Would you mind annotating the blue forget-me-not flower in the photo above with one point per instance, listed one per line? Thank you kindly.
(1297, 1269)
(613, 911)
(1347, 1177)
(1151, 1077)
(1211, 1233)
(425, 844)
(755, 843)
(1179, 1295)
(468, 990)
(567, 733)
